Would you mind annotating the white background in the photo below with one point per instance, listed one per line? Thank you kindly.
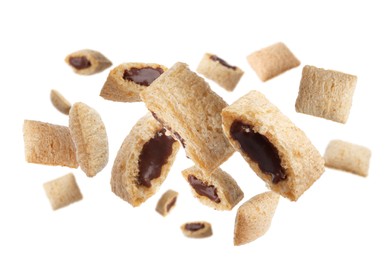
(340, 216)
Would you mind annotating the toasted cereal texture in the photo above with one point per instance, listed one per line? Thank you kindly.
(98, 62)
(227, 189)
(254, 217)
(62, 191)
(118, 88)
(167, 202)
(348, 157)
(204, 230)
(125, 172)
(90, 137)
(184, 103)
(273, 60)
(301, 161)
(216, 69)
(325, 93)
(48, 144)
(59, 102)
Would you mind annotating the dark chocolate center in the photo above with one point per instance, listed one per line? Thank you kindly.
(259, 149)
(203, 189)
(194, 226)
(79, 62)
(153, 157)
(223, 62)
(143, 76)
(171, 204)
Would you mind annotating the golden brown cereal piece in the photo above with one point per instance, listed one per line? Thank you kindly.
(167, 202)
(348, 157)
(277, 150)
(185, 105)
(90, 137)
(59, 102)
(48, 144)
(62, 191)
(87, 62)
(126, 81)
(217, 190)
(254, 217)
(325, 93)
(272, 61)
(200, 229)
(143, 161)
(218, 70)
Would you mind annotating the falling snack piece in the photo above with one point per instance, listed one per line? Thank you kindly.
(59, 102)
(217, 190)
(126, 81)
(218, 70)
(273, 60)
(348, 157)
(90, 137)
(254, 217)
(325, 93)
(87, 62)
(167, 202)
(62, 191)
(186, 106)
(48, 144)
(200, 229)
(277, 150)
(143, 161)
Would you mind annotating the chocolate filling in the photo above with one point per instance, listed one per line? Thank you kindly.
(79, 62)
(171, 204)
(194, 226)
(259, 149)
(175, 134)
(203, 189)
(223, 62)
(142, 76)
(153, 157)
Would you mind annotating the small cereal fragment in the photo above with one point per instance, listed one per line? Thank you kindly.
(126, 81)
(87, 62)
(167, 202)
(217, 190)
(185, 105)
(254, 217)
(143, 161)
(218, 70)
(59, 102)
(272, 61)
(90, 137)
(48, 144)
(62, 191)
(200, 229)
(348, 157)
(278, 152)
(325, 93)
